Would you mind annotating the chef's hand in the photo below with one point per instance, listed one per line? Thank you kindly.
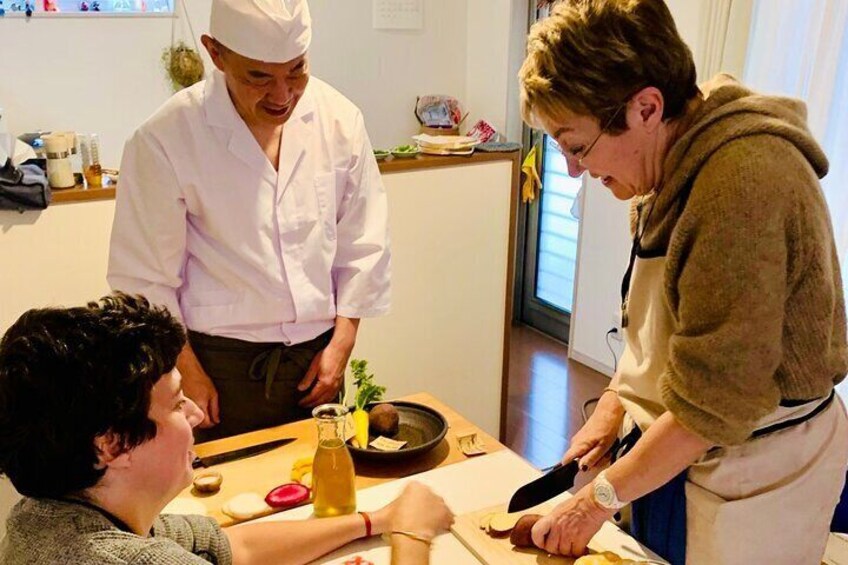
(595, 438)
(572, 523)
(418, 509)
(327, 368)
(198, 386)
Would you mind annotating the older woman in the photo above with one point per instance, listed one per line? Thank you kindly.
(735, 447)
(96, 433)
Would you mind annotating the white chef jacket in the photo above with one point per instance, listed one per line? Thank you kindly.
(205, 226)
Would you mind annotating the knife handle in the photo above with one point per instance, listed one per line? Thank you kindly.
(197, 463)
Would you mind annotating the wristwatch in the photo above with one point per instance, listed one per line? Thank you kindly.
(605, 494)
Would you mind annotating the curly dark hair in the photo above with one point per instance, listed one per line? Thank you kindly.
(69, 375)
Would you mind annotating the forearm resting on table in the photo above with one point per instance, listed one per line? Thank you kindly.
(292, 541)
(663, 452)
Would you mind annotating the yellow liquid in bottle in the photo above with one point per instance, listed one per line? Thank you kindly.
(333, 483)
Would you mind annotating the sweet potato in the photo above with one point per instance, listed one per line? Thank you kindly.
(520, 535)
(501, 524)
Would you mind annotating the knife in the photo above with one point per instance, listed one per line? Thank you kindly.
(554, 482)
(239, 453)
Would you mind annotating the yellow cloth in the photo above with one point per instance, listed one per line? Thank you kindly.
(531, 177)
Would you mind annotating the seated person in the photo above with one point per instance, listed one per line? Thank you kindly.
(96, 433)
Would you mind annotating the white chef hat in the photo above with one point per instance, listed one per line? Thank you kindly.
(274, 31)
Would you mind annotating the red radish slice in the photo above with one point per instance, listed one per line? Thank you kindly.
(287, 495)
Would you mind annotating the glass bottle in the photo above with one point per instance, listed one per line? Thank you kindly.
(85, 154)
(93, 172)
(333, 477)
(76, 162)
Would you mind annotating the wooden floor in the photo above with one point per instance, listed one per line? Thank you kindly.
(546, 393)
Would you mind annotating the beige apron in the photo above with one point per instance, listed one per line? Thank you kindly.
(767, 501)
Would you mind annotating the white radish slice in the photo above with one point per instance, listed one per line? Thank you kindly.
(502, 523)
(245, 506)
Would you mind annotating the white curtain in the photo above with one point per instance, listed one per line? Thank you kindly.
(714, 29)
(800, 48)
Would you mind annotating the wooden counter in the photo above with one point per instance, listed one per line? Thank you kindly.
(394, 164)
(263, 472)
(390, 165)
(82, 194)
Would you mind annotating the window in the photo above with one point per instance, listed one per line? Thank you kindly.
(558, 231)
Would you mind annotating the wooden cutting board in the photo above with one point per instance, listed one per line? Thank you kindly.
(497, 551)
(494, 551)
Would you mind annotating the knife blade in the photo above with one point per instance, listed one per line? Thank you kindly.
(240, 453)
(554, 482)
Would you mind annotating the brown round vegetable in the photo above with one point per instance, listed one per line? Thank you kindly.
(384, 420)
(520, 535)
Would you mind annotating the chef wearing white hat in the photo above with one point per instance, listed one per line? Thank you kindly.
(251, 205)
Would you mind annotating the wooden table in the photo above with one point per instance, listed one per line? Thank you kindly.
(263, 472)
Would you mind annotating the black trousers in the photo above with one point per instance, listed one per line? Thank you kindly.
(256, 382)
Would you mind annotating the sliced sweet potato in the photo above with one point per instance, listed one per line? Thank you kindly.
(521, 533)
(501, 524)
(485, 519)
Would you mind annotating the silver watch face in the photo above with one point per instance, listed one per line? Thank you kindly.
(604, 495)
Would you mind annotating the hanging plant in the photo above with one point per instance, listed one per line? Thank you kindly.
(183, 65)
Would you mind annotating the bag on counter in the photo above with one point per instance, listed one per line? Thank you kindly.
(23, 188)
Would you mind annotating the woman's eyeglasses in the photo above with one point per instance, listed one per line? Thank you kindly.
(605, 129)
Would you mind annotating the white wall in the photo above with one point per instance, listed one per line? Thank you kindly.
(487, 60)
(55, 257)
(604, 238)
(103, 74)
(497, 30)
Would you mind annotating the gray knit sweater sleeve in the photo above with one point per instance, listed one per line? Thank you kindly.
(48, 532)
(176, 535)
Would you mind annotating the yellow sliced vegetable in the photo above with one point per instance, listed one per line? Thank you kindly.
(366, 392)
(300, 468)
(360, 420)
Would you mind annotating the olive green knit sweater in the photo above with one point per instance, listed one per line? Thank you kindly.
(752, 274)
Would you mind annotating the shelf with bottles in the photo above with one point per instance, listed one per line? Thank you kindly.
(86, 8)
